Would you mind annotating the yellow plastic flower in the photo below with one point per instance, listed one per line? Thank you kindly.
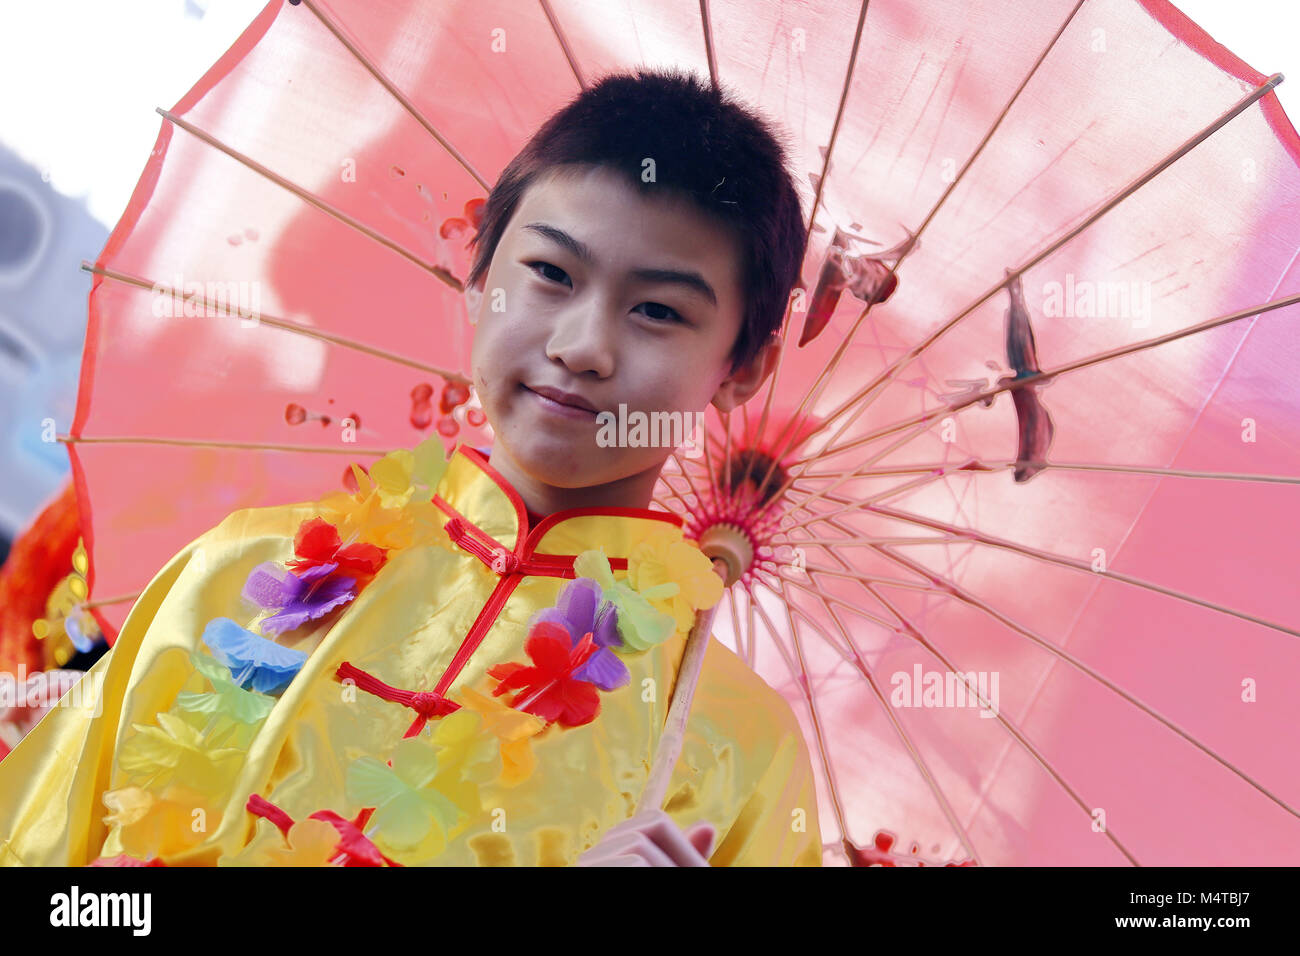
(401, 473)
(514, 730)
(177, 750)
(667, 558)
(468, 757)
(159, 826)
(393, 505)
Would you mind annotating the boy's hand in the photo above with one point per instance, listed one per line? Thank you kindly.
(652, 839)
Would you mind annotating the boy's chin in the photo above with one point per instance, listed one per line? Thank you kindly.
(571, 468)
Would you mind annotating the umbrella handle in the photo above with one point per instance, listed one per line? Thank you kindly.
(688, 675)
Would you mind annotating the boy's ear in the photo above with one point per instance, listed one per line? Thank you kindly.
(741, 385)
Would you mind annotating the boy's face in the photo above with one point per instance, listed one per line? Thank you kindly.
(596, 328)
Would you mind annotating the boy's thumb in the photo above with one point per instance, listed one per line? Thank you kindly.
(701, 836)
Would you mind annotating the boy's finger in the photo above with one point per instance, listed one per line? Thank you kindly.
(701, 836)
(638, 843)
(670, 837)
(635, 823)
(660, 829)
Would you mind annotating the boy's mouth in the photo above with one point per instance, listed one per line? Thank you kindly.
(559, 402)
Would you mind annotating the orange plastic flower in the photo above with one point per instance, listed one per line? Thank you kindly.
(154, 825)
(513, 729)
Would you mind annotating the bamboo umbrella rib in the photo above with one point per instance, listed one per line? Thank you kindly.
(709, 470)
(673, 491)
(1038, 378)
(961, 594)
(726, 451)
(804, 503)
(858, 503)
(706, 24)
(234, 445)
(774, 639)
(976, 467)
(735, 622)
(819, 733)
(564, 43)
(873, 578)
(276, 322)
(691, 484)
(117, 599)
(823, 596)
(749, 622)
(845, 87)
(438, 272)
(397, 94)
(744, 426)
(824, 376)
(899, 363)
(867, 541)
(960, 534)
(774, 636)
(914, 752)
(1168, 161)
(1016, 733)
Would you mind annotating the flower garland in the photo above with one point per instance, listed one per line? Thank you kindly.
(203, 738)
(426, 791)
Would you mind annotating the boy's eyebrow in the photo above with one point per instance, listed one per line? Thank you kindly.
(690, 280)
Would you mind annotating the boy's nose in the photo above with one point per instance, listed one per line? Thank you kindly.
(582, 338)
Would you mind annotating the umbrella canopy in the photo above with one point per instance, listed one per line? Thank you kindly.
(1090, 206)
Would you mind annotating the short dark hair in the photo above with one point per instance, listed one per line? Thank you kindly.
(706, 147)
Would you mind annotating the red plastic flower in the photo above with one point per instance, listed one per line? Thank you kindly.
(123, 860)
(548, 688)
(318, 542)
(353, 848)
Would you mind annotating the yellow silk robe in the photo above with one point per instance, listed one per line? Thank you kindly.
(744, 765)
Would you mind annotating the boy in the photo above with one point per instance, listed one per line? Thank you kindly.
(638, 252)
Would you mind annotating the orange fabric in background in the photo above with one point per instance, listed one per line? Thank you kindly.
(41, 557)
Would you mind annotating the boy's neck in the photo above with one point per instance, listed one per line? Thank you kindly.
(634, 491)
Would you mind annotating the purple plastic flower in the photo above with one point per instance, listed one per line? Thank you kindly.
(579, 610)
(300, 597)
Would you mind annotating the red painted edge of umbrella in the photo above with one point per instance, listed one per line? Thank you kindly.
(1191, 33)
(140, 198)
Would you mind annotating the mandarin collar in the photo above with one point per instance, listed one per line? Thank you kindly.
(483, 497)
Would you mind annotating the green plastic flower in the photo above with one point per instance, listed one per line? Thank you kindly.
(640, 624)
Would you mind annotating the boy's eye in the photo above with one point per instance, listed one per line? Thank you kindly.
(560, 275)
(671, 316)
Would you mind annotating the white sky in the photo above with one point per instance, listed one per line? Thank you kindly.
(79, 79)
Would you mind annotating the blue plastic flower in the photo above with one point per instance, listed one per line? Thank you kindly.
(255, 662)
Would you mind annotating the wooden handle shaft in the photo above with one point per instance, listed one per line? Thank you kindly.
(679, 710)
